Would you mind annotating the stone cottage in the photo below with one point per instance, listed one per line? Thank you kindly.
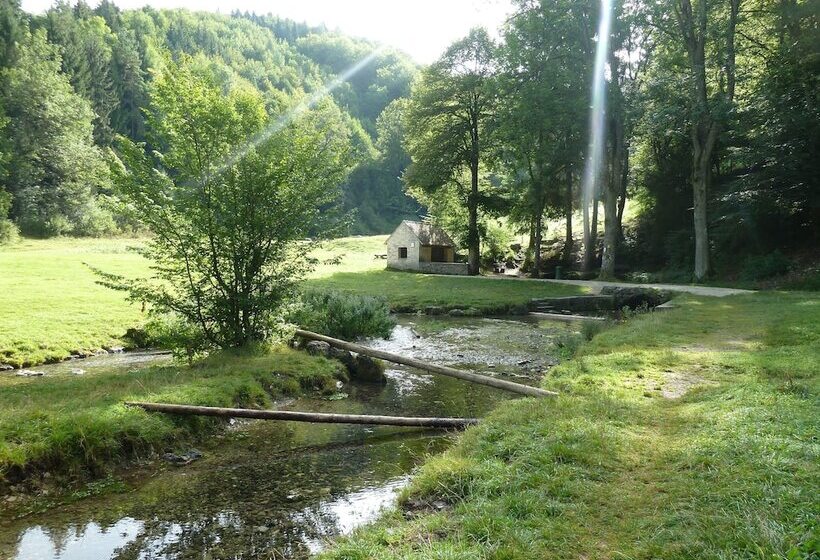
(422, 247)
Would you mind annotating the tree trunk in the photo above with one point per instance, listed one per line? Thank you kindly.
(622, 194)
(587, 237)
(426, 366)
(612, 190)
(590, 234)
(536, 263)
(705, 127)
(701, 177)
(568, 211)
(473, 245)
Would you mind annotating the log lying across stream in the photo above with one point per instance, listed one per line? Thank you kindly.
(432, 368)
(564, 317)
(294, 416)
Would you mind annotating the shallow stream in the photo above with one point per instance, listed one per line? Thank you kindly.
(283, 489)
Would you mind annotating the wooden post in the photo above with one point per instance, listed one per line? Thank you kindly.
(294, 416)
(432, 368)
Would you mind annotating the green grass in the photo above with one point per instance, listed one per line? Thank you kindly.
(71, 423)
(614, 469)
(406, 291)
(51, 306)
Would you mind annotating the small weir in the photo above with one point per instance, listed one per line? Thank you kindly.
(284, 489)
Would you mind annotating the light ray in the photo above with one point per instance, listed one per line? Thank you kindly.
(294, 113)
(595, 151)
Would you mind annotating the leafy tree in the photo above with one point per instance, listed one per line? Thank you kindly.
(87, 59)
(12, 29)
(630, 46)
(709, 100)
(127, 117)
(544, 91)
(229, 201)
(448, 127)
(54, 169)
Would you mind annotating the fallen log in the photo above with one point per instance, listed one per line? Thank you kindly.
(294, 416)
(432, 368)
(563, 317)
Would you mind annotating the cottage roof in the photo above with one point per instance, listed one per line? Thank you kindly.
(429, 234)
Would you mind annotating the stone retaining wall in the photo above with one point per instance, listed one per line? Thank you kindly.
(458, 269)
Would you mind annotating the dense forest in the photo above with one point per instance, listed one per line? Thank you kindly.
(76, 77)
(711, 126)
(710, 131)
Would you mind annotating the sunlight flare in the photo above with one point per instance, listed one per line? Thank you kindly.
(295, 112)
(597, 127)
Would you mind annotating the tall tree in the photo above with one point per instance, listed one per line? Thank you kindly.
(709, 99)
(12, 29)
(630, 46)
(449, 120)
(55, 169)
(544, 91)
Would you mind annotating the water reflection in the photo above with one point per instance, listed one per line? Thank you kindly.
(89, 541)
(282, 489)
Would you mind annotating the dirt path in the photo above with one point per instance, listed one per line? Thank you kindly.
(595, 286)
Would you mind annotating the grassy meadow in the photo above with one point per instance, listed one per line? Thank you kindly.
(51, 306)
(684, 434)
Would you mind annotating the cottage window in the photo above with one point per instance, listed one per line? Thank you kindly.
(402, 252)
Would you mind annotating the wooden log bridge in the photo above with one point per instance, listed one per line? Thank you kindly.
(294, 416)
(432, 368)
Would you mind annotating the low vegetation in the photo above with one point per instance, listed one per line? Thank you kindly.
(78, 424)
(343, 315)
(682, 434)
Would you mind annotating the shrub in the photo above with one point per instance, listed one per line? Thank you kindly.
(591, 328)
(760, 267)
(8, 232)
(174, 333)
(343, 315)
(34, 225)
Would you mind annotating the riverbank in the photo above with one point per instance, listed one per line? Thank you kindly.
(283, 489)
(51, 306)
(684, 434)
(75, 425)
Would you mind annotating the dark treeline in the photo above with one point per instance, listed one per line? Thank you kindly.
(711, 126)
(74, 78)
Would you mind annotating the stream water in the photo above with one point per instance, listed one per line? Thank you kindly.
(284, 489)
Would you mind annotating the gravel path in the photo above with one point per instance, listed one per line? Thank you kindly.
(595, 286)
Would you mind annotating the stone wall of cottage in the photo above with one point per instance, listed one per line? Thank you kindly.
(403, 237)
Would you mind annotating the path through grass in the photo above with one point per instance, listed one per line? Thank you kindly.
(724, 466)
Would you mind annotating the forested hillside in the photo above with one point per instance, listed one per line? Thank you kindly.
(75, 77)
